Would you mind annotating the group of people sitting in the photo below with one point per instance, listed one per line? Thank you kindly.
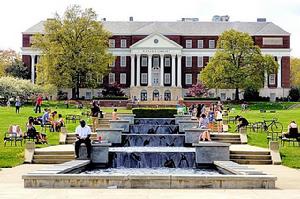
(52, 118)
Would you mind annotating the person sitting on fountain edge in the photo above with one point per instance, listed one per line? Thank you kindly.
(83, 134)
(203, 124)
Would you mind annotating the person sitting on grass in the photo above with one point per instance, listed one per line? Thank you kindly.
(203, 124)
(243, 122)
(114, 115)
(292, 131)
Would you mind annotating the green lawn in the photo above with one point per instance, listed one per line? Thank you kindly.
(290, 154)
(14, 155)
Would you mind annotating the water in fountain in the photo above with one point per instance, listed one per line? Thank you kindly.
(152, 143)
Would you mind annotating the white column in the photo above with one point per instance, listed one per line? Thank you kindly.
(162, 72)
(138, 70)
(149, 70)
(179, 71)
(32, 68)
(279, 72)
(173, 71)
(266, 80)
(132, 72)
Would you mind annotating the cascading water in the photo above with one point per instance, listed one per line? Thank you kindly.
(152, 143)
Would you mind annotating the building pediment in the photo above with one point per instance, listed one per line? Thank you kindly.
(156, 40)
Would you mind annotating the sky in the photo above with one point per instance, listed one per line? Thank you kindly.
(18, 15)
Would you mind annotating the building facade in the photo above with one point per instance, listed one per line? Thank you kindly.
(161, 60)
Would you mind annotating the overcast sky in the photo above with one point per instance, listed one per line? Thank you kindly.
(18, 15)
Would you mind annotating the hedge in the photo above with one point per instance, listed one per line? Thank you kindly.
(154, 112)
(202, 98)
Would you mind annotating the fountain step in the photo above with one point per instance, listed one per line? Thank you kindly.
(53, 156)
(37, 152)
(231, 135)
(260, 162)
(50, 161)
(152, 149)
(251, 152)
(252, 157)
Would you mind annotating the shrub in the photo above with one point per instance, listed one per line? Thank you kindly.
(111, 98)
(201, 98)
(294, 94)
(112, 90)
(154, 112)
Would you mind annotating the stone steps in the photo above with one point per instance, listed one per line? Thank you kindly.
(226, 138)
(251, 157)
(52, 157)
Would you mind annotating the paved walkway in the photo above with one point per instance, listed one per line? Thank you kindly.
(288, 186)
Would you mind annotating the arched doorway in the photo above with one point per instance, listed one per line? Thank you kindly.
(143, 95)
(155, 95)
(167, 95)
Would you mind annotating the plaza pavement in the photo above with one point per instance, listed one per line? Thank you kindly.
(287, 185)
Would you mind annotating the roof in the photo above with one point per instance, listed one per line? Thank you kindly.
(181, 28)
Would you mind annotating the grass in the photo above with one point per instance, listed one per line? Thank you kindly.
(11, 156)
(290, 154)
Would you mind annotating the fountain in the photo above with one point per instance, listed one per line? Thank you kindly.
(153, 154)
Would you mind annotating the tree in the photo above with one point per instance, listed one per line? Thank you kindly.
(295, 72)
(237, 64)
(7, 59)
(294, 94)
(74, 50)
(17, 69)
(197, 90)
(112, 90)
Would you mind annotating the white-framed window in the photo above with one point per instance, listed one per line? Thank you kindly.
(223, 96)
(144, 78)
(200, 44)
(167, 61)
(198, 78)
(123, 43)
(167, 78)
(100, 79)
(272, 79)
(188, 43)
(123, 61)
(112, 64)
(111, 78)
(155, 60)
(122, 78)
(188, 61)
(88, 95)
(200, 61)
(111, 43)
(144, 61)
(211, 44)
(188, 79)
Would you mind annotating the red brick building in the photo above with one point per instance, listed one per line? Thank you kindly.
(177, 52)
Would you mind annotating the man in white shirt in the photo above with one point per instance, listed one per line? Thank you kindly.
(83, 134)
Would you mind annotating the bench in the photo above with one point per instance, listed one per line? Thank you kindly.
(12, 138)
(73, 118)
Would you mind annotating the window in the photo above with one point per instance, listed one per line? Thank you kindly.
(88, 95)
(155, 62)
(200, 61)
(144, 78)
(188, 79)
(144, 61)
(167, 61)
(272, 79)
(100, 79)
(123, 61)
(144, 95)
(198, 78)
(111, 43)
(223, 96)
(113, 63)
(277, 41)
(167, 78)
(211, 44)
(111, 78)
(123, 43)
(200, 43)
(188, 43)
(188, 61)
(122, 78)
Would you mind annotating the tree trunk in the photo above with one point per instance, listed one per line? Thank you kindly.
(237, 97)
(75, 90)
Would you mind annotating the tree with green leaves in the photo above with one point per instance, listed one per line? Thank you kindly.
(237, 64)
(18, 69)
(74, 50)
(295, 72)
